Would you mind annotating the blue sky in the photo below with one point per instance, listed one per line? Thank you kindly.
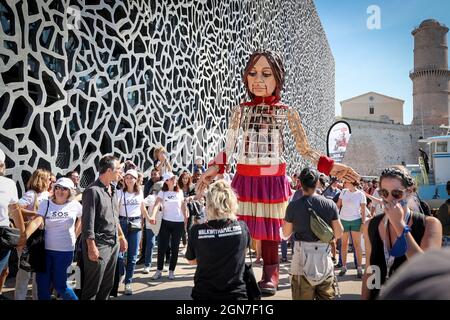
(376, 60)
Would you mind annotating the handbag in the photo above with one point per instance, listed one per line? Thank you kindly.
(251, 285)
(9, 237)
(132, 225)
(32, 258)
(319, 227)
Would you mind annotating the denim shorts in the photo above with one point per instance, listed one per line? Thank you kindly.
(354, 225)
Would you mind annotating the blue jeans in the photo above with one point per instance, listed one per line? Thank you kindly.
(133, 239)
(55, 275)
(149, 245)
(4, 258)
(284, 248)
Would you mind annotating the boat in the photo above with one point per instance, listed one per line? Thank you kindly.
(432, 184)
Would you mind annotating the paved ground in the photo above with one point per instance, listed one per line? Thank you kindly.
(180, 289)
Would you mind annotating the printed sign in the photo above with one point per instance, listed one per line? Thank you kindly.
(337, 141)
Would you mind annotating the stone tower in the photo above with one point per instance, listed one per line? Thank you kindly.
(431, 77)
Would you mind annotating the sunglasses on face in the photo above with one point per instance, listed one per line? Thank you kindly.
(61, 188)
(396, 194)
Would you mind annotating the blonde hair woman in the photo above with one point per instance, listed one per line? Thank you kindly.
(37, 192)
(218, 247)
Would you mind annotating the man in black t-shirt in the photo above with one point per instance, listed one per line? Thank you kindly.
(297, 221)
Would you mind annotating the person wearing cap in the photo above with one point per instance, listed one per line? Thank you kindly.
(175, 215)
(444, 217)
(132, 210)
(297, 224)
(60, 215)
(8, 199)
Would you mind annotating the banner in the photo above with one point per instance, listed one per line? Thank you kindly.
(337, 140)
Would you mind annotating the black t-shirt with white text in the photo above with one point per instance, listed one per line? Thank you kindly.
(297, 213)
(220, 249)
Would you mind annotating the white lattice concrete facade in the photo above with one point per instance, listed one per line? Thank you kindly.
(80, 79)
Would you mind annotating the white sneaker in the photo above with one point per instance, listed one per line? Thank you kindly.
(128, 289)
(171, 275)
(146, 270)
(157, 275)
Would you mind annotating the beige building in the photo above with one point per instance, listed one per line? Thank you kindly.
(373, 106)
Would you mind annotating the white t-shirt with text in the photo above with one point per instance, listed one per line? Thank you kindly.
(60, 224)
(351, 204)
(171, 204)
(133, 202)
(8, 195)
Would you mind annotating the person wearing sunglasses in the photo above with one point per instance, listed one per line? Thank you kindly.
(60, 215)
(396, 235)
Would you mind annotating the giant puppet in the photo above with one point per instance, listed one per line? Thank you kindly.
(256, 135)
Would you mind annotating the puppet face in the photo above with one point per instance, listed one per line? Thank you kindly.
(261, 81)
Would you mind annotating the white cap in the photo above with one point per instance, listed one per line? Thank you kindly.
(167, 176)
(65, 183)
(2, 156)
(132, 173)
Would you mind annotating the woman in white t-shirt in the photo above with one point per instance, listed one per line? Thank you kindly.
(352, 205)
(132, 210)
(175, 215)
(60, 216)
(37, 187)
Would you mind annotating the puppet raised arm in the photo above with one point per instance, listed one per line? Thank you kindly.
(324, 164)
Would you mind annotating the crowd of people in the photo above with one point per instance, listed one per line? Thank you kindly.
(118, 218)
(218, 215)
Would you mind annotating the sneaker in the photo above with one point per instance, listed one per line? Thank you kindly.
(171, 275)
(146, 270)
(338, 265)
(284, 260)
(343, 271)
(359, 273)
(128, 289)
(157, 275)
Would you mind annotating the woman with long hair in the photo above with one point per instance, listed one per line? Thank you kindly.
(37, 191)
(352, 205)
(398, 234)
(174, 216)
(132, 210)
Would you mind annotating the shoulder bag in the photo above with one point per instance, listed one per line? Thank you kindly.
(132, 225)
(33, 256)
